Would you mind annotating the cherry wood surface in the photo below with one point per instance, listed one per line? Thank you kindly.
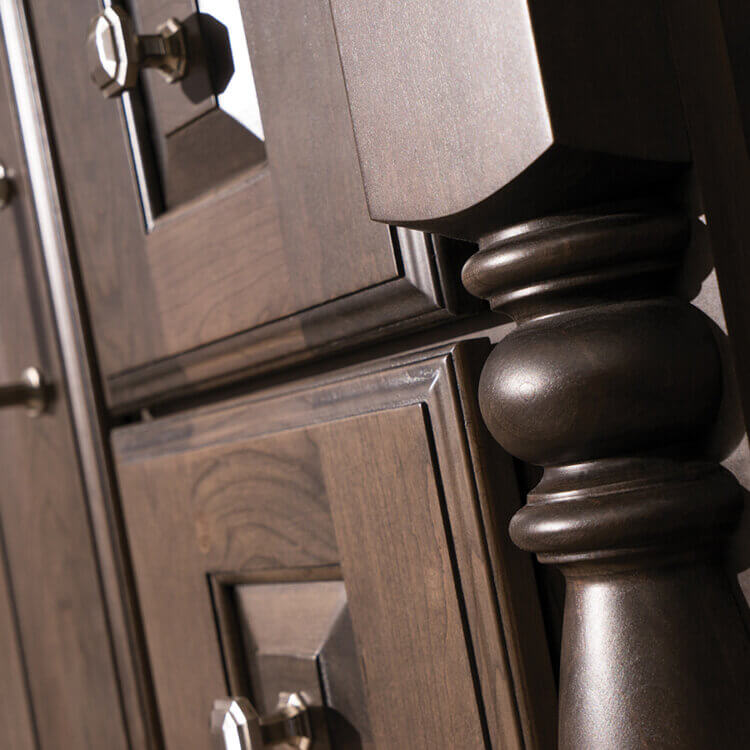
(371, 471)
(272, 265)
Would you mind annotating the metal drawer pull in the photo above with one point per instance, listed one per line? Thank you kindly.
(236, 725)
(6, 188)
(31, 391)
(117, 54)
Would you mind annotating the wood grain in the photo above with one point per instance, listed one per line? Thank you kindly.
(16, 720)
(52, 563)
(266, 462)
(401, 586)
(311, 149)
(452, 101)
(256, 505)
(235, 260)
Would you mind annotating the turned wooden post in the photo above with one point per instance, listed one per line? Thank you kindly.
(610, 384)
(552, 134)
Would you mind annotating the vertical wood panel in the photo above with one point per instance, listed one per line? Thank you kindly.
(400, 581)
(16, 722)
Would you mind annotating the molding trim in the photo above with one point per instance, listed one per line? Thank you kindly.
(85, 403)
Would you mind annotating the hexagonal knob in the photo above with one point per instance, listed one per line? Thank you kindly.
(117, 54)
(236, 725)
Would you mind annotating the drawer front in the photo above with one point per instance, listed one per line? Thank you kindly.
(337, 530)
(220, 222)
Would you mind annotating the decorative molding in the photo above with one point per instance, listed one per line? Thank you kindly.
(139, 711)
(419, 297)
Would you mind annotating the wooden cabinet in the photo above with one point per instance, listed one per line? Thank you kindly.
(208, 251)
(262, 486)
(367, 492)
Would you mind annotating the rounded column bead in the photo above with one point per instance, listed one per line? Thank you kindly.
(602, 381)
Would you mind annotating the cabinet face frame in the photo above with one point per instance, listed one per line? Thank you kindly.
(77, 690)
(278, 265)
(92, 520)
(502, 620)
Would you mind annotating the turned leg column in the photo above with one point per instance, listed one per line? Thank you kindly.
(610, 385)
(471, 117)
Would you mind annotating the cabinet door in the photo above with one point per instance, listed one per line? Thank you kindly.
(338, 539)
(45, 534)
(220, 222)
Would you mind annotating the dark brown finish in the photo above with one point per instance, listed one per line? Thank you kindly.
(82, 392)
(623, 507)
(168, 105)
(714, 111)
(540, 99)
(16, 718)
(608, 382)
(64, 633)
(266, 487)
(301, 635)
(278, 264)
(398, 571)
(346, 534)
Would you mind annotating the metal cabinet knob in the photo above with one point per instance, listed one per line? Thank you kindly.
(236, 725)
(6, 188)
(117, 54)
(30, 391)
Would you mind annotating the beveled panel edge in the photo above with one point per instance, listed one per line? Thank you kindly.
(227, 628)
(256, 414)
(416, 300)
(517, 688)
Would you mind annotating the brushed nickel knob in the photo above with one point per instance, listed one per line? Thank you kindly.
(6, 187)
(30, 391)
(236, 725)
(117, 54)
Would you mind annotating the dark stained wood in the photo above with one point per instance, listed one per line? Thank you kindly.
(210, 151)
(197, 145)
(371, 502)
(16, 720)
(415, 299)
(241, 276)
(622, 496)
(452, 101)
(232, 509)
(720, 153)
(311, 150)
(396, 562)
(73, 683)
(84, 397)
(608, 383)
(269, 483)
(292, 634)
